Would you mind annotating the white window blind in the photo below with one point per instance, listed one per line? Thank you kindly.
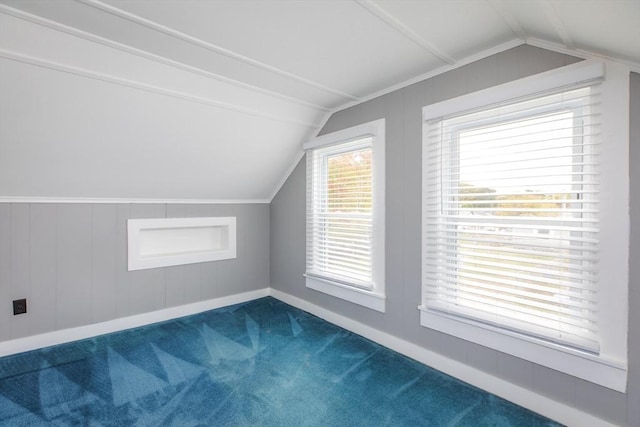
(511, 229)
(340, 213)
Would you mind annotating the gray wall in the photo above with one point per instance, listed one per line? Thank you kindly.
(70, 262)
(402, 110)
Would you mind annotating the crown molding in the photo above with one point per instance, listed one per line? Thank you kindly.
(97, 200)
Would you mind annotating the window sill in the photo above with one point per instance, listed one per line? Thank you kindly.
(358, 296)
(589, 367)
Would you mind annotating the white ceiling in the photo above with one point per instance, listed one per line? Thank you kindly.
(237, 85)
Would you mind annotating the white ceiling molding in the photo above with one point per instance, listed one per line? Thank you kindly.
(394, 23)
(555, 20)
(581, 53)
(145, 87)
(210, 46)
(460, 63)
(66, 200)
(211, 100)
(16, 13)
(508, 18)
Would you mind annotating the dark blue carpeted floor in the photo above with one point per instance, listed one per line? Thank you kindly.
(263, 363)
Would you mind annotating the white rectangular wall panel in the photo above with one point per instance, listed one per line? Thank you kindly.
(162, 242)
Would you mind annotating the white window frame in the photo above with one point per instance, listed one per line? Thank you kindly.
(370, 295)
(609, 366)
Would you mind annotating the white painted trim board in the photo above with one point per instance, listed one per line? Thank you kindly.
(20, 14)
(209, 46)
(35, 342)
(460, 63)
(119, 81)
(402, 28)
(519, 395)
(9, 199)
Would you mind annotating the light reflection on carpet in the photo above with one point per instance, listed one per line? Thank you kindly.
(261, 363)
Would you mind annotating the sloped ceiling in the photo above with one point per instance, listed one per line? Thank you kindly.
(196, 99)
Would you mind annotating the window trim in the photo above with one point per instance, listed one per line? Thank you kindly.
(373, 297)
(448, 141)
(609, 367)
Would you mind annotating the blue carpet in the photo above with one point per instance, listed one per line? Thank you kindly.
(262, 363)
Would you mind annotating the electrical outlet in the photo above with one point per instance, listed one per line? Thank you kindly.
(19, 306)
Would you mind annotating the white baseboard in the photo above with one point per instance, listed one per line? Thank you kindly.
(521, 396)
(72, 334)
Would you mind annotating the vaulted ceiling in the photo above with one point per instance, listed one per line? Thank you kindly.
(197, 99)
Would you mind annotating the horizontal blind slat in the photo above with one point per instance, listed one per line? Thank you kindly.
(511, 215)
(514, 286)
(534, 254)
(339, 212)
(552, 276)
(486, 307)
(578, 338)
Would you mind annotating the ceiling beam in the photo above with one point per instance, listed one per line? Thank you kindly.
(211, 47)
(82, 72)
(555, 20)
(403, 29)
(508, 18)
(151, 56)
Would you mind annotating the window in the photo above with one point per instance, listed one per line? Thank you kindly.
(345, 214)
(514, 208)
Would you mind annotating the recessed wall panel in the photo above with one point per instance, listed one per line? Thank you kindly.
(162, 242)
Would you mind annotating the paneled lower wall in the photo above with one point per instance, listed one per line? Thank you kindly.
(70, 262)
(402, 110)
